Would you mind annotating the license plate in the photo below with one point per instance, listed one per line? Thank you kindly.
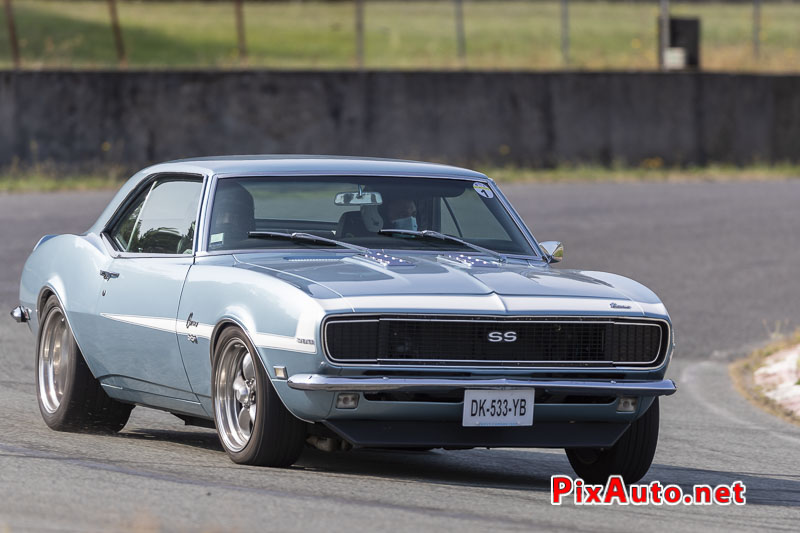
(498, 408)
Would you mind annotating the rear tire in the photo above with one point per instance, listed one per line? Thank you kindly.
(630, 457)
(69, 397)
(253, 425)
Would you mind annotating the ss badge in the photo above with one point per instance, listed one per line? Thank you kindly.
(501, 336)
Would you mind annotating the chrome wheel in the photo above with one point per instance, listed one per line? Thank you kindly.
(55, 352)
(236, 395)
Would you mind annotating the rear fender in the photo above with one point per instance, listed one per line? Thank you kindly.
(68, 266)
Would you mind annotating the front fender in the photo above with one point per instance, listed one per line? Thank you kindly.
(280, 319)
(644, 297)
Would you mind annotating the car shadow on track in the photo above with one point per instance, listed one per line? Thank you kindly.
(498, 468)
(205, 439)
(509, 469)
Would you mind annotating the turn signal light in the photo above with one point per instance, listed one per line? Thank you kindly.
(347, 400)
(626, 405)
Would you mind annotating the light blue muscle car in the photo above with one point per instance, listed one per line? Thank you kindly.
(341, 302)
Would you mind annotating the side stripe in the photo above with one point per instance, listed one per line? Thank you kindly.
(203, 331)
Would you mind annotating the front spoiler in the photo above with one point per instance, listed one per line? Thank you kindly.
(433, 434)
(320, 382)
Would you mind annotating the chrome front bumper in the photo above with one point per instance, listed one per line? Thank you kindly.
(319, 382)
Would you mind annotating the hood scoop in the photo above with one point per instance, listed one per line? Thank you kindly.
(467, 261)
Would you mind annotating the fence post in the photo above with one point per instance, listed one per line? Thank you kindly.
(360, 34)
(663, 42)
(240, 30)
(112, 10)
(461, 38)
(565, 31)
(12, 34)
(756, 28)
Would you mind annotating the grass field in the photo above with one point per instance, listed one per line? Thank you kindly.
(44, 178)
(500, 35)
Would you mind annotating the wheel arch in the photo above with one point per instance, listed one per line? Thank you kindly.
(231, 322)
(45, 293)
(222, 325)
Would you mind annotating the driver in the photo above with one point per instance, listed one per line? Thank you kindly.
(401, 214)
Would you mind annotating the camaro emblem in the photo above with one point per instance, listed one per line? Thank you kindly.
(615, 305)
(500, 336)
(190, 322)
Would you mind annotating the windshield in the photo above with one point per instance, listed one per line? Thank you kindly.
(355, 210)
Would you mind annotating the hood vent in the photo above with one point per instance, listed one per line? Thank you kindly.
(385, 259)
(467, 261)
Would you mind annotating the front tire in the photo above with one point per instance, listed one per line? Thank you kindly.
(253, 425)
(70, 398)
(630, 457)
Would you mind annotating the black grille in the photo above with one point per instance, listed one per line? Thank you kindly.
(443, 341)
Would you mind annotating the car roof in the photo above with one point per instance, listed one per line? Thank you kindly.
(286, 165)
(316, 165)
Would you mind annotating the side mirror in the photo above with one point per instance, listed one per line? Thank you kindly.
(553, 251)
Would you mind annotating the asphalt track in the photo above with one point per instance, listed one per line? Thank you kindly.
(724, 257)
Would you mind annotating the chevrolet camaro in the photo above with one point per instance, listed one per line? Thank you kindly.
(291, 301)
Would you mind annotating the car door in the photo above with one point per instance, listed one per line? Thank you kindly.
(138, 306)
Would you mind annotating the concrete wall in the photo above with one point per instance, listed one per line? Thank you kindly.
(81, 119)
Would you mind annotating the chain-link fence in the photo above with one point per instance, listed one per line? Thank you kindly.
(747, 35)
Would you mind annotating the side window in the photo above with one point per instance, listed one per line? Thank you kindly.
(162, 219)
(122, 235)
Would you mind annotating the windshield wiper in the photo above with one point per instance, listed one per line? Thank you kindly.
(308, 237)
(430, 234)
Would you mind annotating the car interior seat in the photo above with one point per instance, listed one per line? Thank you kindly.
(233, 216)
(361, 223)
(351, 225)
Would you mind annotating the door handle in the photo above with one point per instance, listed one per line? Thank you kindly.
(109, 275)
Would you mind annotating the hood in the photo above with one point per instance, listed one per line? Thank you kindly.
(431, 275)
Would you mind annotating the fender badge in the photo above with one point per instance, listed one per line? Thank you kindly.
(305, 341)
(615, 305)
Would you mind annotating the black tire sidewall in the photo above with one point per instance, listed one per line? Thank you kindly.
(250, 452)
(60, 418)
(630, 457)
